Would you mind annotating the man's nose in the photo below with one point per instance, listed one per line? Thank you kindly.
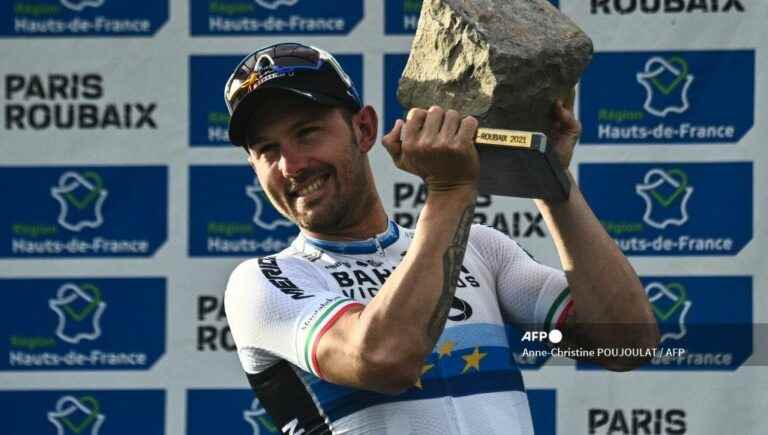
(292, 160)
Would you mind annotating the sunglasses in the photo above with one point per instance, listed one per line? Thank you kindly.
(279, 61)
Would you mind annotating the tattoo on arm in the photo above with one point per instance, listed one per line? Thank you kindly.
(452, 261)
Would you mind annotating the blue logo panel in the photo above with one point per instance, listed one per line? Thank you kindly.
(230, 215)
(672, 209)
(238, 413)
(705, 322)
(665, 97)
(95, 211)
(83, 323)
(89, 18)
(95, 412)
(394, 64)
(402, 16)
(543, 411)
(274, 17)
(208, 115)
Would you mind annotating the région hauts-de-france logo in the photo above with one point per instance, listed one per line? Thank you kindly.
(79, 5)
(666, 82)
(256, 193)
(670, 304)
(81, 197)
(274, 4)
(79, 308)
(666, 196)
(88, 19)
(668, 97)
(257, 417)
(77, 415)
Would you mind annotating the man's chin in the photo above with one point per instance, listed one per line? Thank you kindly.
(320, 221)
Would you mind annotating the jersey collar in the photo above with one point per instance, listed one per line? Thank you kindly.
(368, 246)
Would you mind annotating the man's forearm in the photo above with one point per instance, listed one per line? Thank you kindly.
(604, 286)
(414, 302)
(453, 257)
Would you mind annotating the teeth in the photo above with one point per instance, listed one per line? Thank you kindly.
(315, 185)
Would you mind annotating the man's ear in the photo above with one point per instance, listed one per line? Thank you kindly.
(365, 124)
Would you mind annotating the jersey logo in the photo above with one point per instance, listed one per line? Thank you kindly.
(312, 256)
(670, 304)
(257, 417)
(79, 309)
(274, 275)
(666, 196)
(337, 265)
(261, 214)
(291, 428)
(80, 197)
(274, 4)
(666, 83)
(78, 416)
(460, 310)
(369, 262)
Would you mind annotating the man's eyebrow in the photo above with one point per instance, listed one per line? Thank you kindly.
(302, 120)
(256, 142)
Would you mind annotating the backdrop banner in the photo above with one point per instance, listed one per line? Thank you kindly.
(126, 207)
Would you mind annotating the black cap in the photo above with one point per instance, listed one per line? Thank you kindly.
(300, 69)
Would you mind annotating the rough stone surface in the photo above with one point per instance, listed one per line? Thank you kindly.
(503, 61)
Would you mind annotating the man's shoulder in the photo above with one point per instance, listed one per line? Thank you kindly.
(481, 233)
(491, 243)
(287, 272)
(287, 260)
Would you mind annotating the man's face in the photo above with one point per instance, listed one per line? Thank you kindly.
(308, 162)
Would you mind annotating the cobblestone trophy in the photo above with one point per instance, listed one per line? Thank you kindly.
(504, 62)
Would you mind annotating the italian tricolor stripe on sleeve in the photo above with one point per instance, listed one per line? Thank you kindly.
(325, 320)
(559, 310)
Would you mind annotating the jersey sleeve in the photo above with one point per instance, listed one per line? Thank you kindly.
(531, 295)
(278, 309)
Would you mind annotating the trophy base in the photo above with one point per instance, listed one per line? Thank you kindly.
(519, 163)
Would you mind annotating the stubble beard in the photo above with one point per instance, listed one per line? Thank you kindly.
(340, 210)
(343, 208)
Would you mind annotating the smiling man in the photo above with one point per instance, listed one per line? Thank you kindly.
(362, 326)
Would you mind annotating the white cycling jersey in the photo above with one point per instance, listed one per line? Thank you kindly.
(278, 308)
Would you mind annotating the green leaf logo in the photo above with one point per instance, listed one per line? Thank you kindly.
(79, 315)
(93, 406)
(88, 199)
(677, 290)
(682, 67)
(682, 180)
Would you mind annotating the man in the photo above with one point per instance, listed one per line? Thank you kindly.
(348, 330)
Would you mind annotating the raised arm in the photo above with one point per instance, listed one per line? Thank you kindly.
(383, 346)
(610, 305)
